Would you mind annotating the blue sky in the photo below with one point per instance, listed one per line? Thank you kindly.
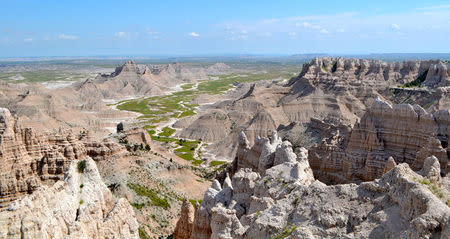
(180, 28)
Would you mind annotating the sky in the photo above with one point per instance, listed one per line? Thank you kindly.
(31, 28)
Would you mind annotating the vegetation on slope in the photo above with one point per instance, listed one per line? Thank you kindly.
(417, 82)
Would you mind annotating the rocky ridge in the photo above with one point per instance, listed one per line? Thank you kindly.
(130, 79)
(81, 206)
(273, 193)
(30, 158)
(405, 132)
(339, 88)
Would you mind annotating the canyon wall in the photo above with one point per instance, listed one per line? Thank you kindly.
(30, 158)
(80, 206)
(405, 132)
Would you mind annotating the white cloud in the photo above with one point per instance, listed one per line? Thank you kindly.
(244, 31)
(67, 37)
(120, 34)
(28, 39)
(324, 31)
(395, 26)
(303, 24)
(292, 34)
(194, 34)
(340, 30)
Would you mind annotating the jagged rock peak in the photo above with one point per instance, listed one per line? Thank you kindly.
(432, 73)
(128, 66)
(81, 206)
(286, 201)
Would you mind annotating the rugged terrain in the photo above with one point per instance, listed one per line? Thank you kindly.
(49, 128)
(81, 206)
(330, 89)
(404, 132)
(160, 133)
(273, 193)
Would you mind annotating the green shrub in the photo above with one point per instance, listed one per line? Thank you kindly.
(417, 82)
(138, 205)
(81, 166)
(81, 201)
(334, 68)
(287, 231)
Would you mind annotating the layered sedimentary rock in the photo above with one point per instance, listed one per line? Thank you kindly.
(29, 157)
(131, 79)
(285, 200)
(405, 132)
(81, 206)
(326, 87)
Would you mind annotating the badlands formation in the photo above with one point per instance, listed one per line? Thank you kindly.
(272, 193)
(397, 154)
(44, 131)
(347, 149)
(334, 89)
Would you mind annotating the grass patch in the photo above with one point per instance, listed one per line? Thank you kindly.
(187, 86)
(142, 233)
(135, 106)
(185, 156)
(167, 131)
(186, 113)
(163, 139)
(81, 166)
(194, 201)
(216, 163)
(152, 195)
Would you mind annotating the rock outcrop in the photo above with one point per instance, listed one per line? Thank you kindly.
(336, 88)
(183, 229)
(407, 133)
(285, 201)
(29, 157)
(131, 79)
(81, 206)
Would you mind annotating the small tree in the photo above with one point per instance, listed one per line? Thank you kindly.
(147, 147)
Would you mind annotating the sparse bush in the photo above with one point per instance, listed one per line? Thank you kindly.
(81, 185)
(81, 201)
(287, 231)
(81, 166)
(334, 68)
(150, 194)
(417, 82)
